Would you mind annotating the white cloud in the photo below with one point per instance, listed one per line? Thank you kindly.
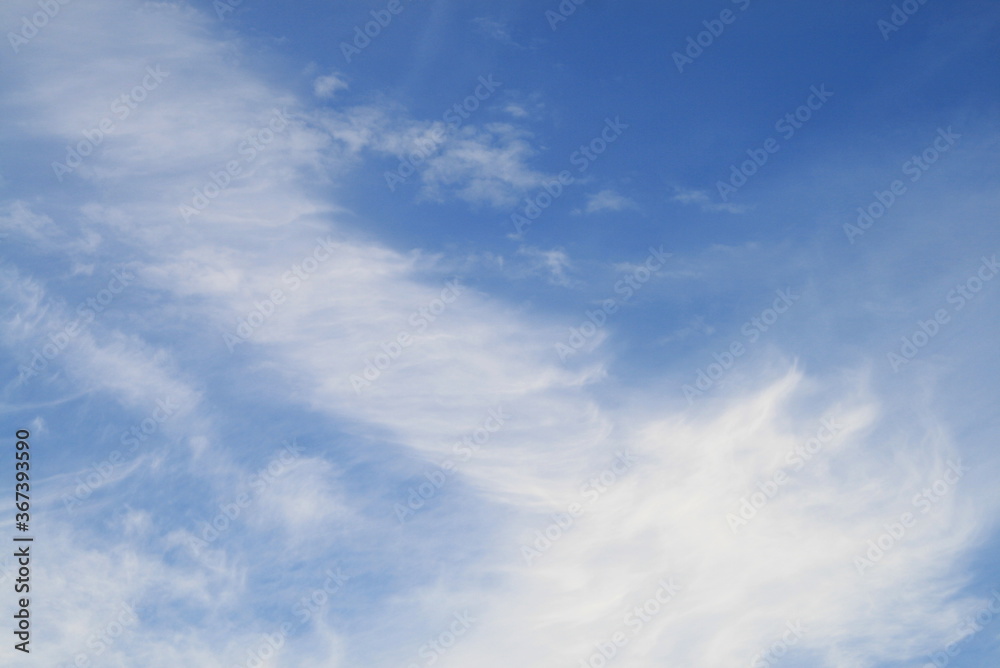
(696, 326)
(516, 110)
(702, 199)
(553, 263)
(326, 86)
(608, 200)
(486, 166)
(500, 31)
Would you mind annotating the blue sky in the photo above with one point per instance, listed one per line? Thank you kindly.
(494, 338)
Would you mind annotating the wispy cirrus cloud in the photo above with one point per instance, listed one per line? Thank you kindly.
(437, 368)
(702, 199)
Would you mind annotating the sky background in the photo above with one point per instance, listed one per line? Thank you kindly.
(288, 411)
